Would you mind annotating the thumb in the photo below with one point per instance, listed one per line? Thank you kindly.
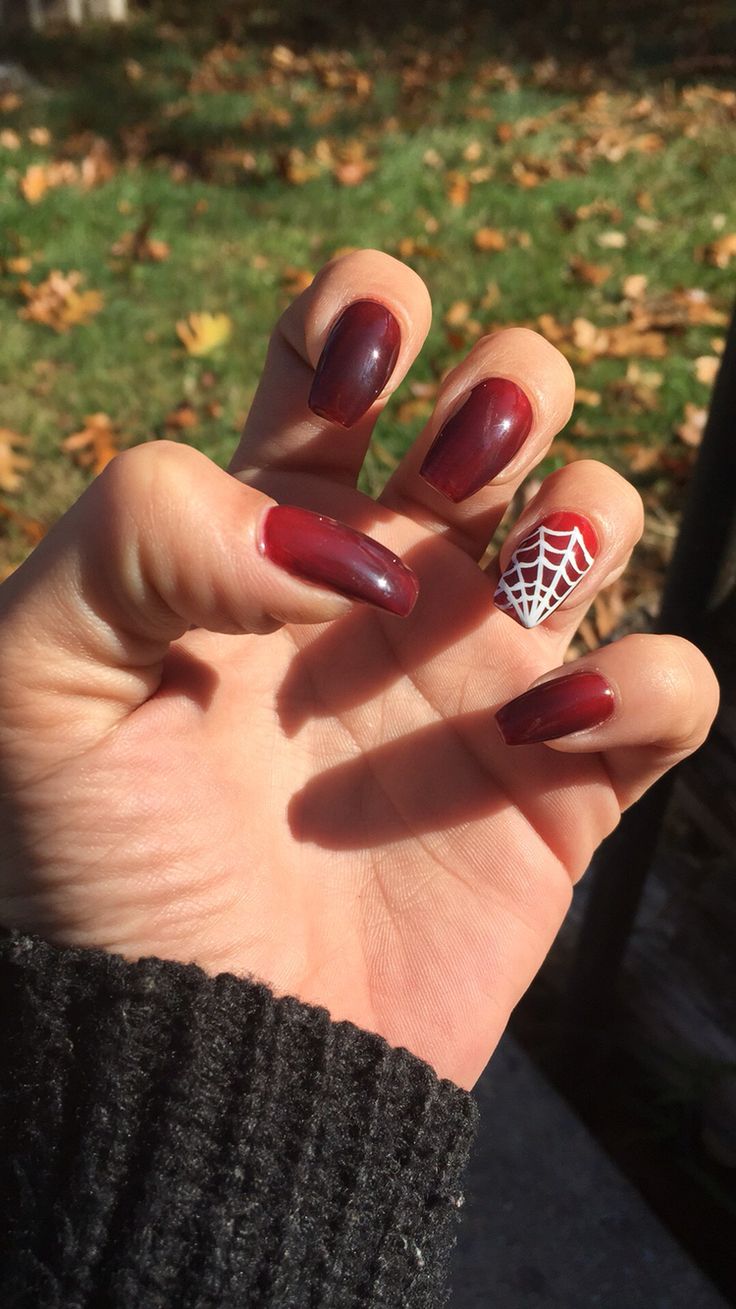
(163, 540)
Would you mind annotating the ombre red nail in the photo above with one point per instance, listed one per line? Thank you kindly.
(326, 552)
(545, 567)
(558, 708)
(478, 441)
(357, 361)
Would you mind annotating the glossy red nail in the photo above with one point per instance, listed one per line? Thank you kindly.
(545, 567)
(326, 552)
(568, 704)
(479, 440)
(358, 358)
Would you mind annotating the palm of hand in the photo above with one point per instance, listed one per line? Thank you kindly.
(386, 856)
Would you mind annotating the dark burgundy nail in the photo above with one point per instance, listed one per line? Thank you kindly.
(479, 440)
(324, 551)
(568, 704)
(358, 358)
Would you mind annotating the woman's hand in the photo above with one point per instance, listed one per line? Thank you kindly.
(310, 789)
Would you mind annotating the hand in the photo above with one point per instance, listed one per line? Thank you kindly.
(329, 805)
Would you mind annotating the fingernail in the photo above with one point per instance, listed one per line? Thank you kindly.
(479, 440)
(568, 704)
(545, 567)
(358, 358)
(326, 552)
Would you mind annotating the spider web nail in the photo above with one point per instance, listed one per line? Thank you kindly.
(542, 572)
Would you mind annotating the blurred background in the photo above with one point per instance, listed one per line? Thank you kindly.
(172, 174)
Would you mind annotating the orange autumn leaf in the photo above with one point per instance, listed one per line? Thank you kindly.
(489, 238)
(458, 189)
(12, 464)
(34, 183)
(587, 273)
(57, 303)
(295, 280)
(31, 528)
(95, 444)
(719, 253)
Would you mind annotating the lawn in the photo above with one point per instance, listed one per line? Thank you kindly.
(183, 167)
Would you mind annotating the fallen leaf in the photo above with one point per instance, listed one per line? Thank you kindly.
(489, 238)
(458, 189)
(95, 444)
(458, 313)
(19, 264)
(34, 183)
(139, 246)
(692, 427)
(182, 418)
(201, 333)
(39, 136)
(612, 240)
(635, 285)
(588, 273)
(31, 528)
(57, 303)
(642, 458)
(411, 410)
(12, 464)
(9, 140)
(585, 397)
(295, 280)
(720, 253)
(706, 368)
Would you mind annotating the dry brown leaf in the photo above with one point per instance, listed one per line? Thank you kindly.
(182, 418)
(412, 410)
(12, 464)
(139, 247)
(39, 136)
(719, 253)
(34, 183)
(706, 368)
(201, 333)
(57, 303)
(95, 444)
(351, 172)
(31, 528)
(489, 238)
(642, 458)
(612, 240)
(635, 285)
(585, 397)
(9, 140)
(458, 313)
(19, 264)
(692, 427)
(458, 189)
(295, 280)
(587, 273)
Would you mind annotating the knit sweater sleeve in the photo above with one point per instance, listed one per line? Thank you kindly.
(170, 1140)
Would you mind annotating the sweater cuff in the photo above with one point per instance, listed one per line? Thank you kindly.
(174, 1139)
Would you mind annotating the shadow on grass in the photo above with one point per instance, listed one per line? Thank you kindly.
(86, 71)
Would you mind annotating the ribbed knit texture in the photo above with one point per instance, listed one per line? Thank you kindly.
(173, 1139)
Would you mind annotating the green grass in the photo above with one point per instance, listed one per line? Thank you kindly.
(232, 230)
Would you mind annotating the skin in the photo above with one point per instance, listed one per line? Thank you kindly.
(205, 759)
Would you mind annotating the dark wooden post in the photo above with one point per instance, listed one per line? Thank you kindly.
(701, 576)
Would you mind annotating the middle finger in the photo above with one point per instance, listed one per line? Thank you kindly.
(495, 417)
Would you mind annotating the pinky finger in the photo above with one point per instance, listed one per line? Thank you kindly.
(642, 704)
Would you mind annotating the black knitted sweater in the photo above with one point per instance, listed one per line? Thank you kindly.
(169, 1139)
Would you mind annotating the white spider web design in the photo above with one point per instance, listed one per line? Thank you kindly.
(542, 573)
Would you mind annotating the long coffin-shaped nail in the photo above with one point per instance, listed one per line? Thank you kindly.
(328, 553)
(567, 704)
(358, 358)
(545, 567)
(479, 440)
